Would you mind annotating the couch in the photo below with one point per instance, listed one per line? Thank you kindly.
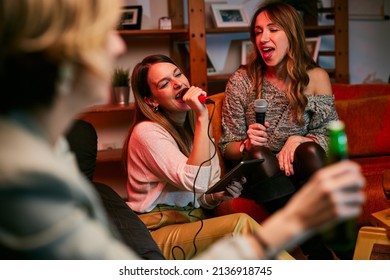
(365, 109)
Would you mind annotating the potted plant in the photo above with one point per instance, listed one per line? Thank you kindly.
(120, 84)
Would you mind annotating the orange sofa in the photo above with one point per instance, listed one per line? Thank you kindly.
(365, 109)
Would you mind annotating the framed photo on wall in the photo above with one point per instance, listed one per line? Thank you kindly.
(246, 50)
(225, 15)
(313, 44)
(131, 18)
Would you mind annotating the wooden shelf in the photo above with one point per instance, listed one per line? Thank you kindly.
(176, 32)
(219, 77)
(228, 30)
(326, 10)
(327, 53)
(110, 108)
(318, 30)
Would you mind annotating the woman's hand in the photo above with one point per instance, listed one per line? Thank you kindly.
(233, 190)
(286, 154)
(257, 135)
(334, 193)
(191, 98)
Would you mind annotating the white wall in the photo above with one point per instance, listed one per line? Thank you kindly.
(369, 44)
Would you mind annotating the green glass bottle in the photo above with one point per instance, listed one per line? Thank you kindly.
(342, 237)
(338, 143)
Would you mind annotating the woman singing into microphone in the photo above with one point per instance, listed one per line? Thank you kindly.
(171, 162)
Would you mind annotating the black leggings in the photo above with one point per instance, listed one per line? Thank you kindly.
(270, 186)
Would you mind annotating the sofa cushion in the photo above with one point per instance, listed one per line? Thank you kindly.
(367, 124)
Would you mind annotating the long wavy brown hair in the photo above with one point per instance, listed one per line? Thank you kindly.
(298, 60)
(183, 135)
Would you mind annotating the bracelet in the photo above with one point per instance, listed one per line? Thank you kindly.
(269, 253)
(215, 201)
(204, 202)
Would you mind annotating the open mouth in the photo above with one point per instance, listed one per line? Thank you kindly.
(267, 49)
(267, 52)
(180, 94)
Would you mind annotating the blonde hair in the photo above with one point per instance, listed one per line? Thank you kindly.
(39, 37)
(65, 30)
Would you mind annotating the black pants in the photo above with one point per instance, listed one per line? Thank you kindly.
(129, 226)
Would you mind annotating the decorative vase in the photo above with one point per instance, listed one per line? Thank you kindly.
(121, 95)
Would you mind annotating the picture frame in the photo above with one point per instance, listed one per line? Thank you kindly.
(131, 18)
(313, 45)
(226, 15)
(246, 50)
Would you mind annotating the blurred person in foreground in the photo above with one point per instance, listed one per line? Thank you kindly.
(49, 210)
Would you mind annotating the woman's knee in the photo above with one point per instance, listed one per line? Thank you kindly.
(308, 158)
(310, 151)
(243, 223)
(270, 166)
(261, 153)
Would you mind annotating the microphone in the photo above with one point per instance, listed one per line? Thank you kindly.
(260, 109)
(202, 99)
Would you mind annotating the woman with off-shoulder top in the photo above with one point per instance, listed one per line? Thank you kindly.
(300, 104)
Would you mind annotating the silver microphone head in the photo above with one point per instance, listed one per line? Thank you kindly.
(260, 106)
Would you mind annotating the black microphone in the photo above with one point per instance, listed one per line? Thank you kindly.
(260, 109)
(202, 99)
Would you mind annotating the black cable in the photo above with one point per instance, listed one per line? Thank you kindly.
(193, 190)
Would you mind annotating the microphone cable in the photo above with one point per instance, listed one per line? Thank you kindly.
(194, 193)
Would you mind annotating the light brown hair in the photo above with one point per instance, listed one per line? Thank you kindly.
(299, 59)
(183, 135)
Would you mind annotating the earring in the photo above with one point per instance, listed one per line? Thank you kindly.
(65, 78)
(155, 109)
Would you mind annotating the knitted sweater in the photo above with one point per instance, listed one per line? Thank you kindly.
(238, 113)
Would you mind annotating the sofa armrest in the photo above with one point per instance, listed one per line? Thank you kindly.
(367, 124)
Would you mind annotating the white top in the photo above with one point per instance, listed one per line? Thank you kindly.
(158, 172)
